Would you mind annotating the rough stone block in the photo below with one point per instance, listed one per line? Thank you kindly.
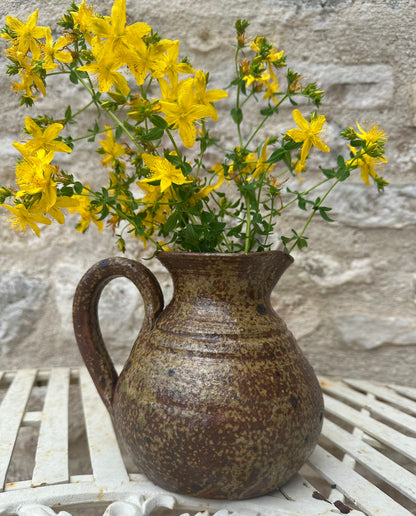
(369, 332)
(358, 86)
(362, 207)
(21, 306)
(119, 308)
(327, 272)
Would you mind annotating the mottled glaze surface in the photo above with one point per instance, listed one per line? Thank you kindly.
(216, 399)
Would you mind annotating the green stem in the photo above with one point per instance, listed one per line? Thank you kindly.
(248, 225)
(256, 131)
(237, 105)
(125, 130)
(111, 114)
(237, 102)
(172, 139)
(305, 193)
(83, 109)
(265, 118)
(311, 216)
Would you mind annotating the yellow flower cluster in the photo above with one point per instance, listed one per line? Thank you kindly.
(31, 55)
(151, 108)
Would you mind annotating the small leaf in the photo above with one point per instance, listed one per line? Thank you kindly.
(73, 77)
(323, 213)
(302, 243)
(170, 224)
(276, 155)
(267, 111)
(78, 187)
(66, 191)
(329, 172)
(237, 115)
(158, 121)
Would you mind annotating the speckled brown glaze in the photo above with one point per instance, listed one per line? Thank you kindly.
(216, 399)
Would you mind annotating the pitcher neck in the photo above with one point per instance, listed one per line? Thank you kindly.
(224, 275)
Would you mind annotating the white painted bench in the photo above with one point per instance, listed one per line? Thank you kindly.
(365, 462)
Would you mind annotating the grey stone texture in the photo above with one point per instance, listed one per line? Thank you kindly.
(350, 298)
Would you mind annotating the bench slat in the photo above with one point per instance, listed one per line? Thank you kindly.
(12, 410)
(106, 460)
(51, 462)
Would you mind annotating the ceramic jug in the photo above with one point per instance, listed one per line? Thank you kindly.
(216, 399)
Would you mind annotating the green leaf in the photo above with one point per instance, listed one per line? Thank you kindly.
(78, 187)
(68, 114)
(301, 203)
(237, 115)
(343, 174)
(119, 132)
(66, 191)
(94, 131)
(158, 121)
(170, 224)
(341, 162)
(276, 156)
(329, 172)
(267, 111)
(73, 77)
(323, 213)
(302, 243)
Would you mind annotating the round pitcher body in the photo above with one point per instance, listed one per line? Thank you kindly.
(216, 399)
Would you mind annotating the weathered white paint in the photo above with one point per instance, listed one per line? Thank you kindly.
(51, 465)
(107, 463)
(11, 413)
(131, 494)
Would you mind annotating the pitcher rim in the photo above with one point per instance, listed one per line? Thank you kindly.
(227, 255)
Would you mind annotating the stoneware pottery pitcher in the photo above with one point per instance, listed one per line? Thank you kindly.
(216, 399)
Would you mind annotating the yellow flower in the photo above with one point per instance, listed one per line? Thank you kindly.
(42, 139)
(30, 80)
(157, 203)
(105, 68)
(86, 211)
(142, 59)
(308, 133)
(34, 175)
(372, 135)
(21, 217)
(25, 35)
(114, 30)
(258, 81)
(204, 96)
(82, 19)
(163, 171)
(112, 149)
(206, 190)
(367, 164)
(169, 65)
(183, 113)
(53, 52)
(272, 53)
(272, 87)
(261, 164)
(55, 210)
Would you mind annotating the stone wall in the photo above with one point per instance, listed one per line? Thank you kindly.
(350, 298)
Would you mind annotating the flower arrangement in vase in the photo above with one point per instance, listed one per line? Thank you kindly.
(216, 399)
(152, 108)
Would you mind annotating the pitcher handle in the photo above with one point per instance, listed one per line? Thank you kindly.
(86, 322)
